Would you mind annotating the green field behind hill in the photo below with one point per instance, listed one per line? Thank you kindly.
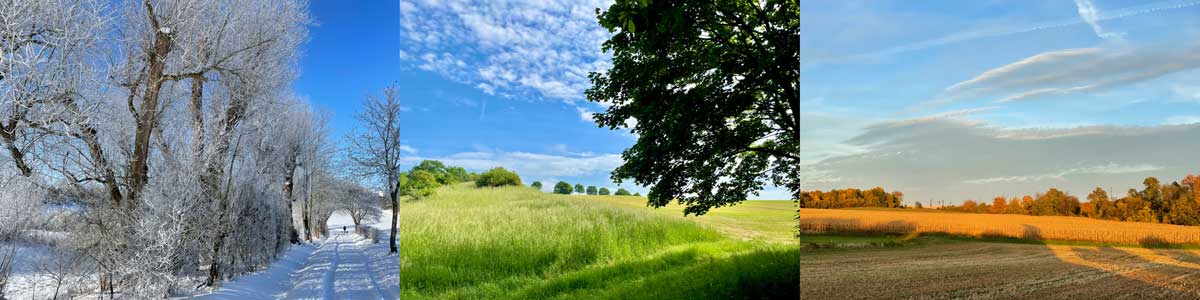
(520, 243)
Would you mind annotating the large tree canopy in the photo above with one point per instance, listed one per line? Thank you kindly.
(711, 90)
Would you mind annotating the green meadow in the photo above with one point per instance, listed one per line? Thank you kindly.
(519, 243)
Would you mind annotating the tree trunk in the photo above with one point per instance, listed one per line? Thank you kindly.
(214, 269)
(7, 136)
(288, 187)
(197, 108)
(395, 218)
(307, 230)
(147, 116)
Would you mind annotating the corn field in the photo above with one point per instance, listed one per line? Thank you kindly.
(994, 225)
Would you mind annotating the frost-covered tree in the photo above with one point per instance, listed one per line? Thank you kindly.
(156, 118)
(375, 149)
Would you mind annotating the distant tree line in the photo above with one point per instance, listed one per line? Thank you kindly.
(562, 187)
(1171, 203)
(1176, 203)
(876, 197)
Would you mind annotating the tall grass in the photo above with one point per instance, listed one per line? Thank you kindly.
(518, 243)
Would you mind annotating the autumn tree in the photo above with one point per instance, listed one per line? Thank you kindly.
(999, 205)
(969, 206)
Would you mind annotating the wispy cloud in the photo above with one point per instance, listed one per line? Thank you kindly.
(1093, 17)
(1089, 14)
(1110, 168)
(1073, 71)
(512, 48)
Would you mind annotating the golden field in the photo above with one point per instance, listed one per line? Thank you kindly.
(911, 221)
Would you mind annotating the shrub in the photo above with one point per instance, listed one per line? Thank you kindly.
(537, 185)
(498, 177)
(622, 192)
(591, 190)
(604, 191)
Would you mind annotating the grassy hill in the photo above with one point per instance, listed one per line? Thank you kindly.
(519, 243)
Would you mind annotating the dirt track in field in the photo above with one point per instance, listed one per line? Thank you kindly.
(978, 270)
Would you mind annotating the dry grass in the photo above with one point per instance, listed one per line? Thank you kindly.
(989, 225)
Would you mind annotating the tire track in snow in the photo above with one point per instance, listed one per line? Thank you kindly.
(329, 291)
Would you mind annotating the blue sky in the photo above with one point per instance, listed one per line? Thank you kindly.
(956, 100)
(484, 83)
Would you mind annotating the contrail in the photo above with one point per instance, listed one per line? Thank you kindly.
(1087, 12)
(1094, 17)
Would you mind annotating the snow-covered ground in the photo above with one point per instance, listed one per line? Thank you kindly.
(341, 266)
(29, 278)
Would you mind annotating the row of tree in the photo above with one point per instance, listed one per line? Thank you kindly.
(875, 197)
(562, 187)
(1172, 203)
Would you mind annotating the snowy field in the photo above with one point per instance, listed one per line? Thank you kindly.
(341, 266)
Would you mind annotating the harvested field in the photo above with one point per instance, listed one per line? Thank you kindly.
(1001, 271)
(995, 225)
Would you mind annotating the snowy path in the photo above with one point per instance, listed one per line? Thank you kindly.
(342, 266)
(339, 269)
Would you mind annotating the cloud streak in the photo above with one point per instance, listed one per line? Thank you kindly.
(1089, 14)
(1073, 71)
(963, 36)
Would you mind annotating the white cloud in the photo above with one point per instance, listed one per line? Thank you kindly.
(523, 48)
(585, 115)
(408, 149)
(532, 165)
(1090, 15)
(1182, 120)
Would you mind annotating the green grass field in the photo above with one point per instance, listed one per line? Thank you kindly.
(518, 243)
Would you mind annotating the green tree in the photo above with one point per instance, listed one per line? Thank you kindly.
(639, 194)
(498, 177)
(578, 188)
(562, 187)
(418, 184)
(622, 192)
(714, 89)
(604, 191)
(591, 190)
(537, 185)
(456, 174)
